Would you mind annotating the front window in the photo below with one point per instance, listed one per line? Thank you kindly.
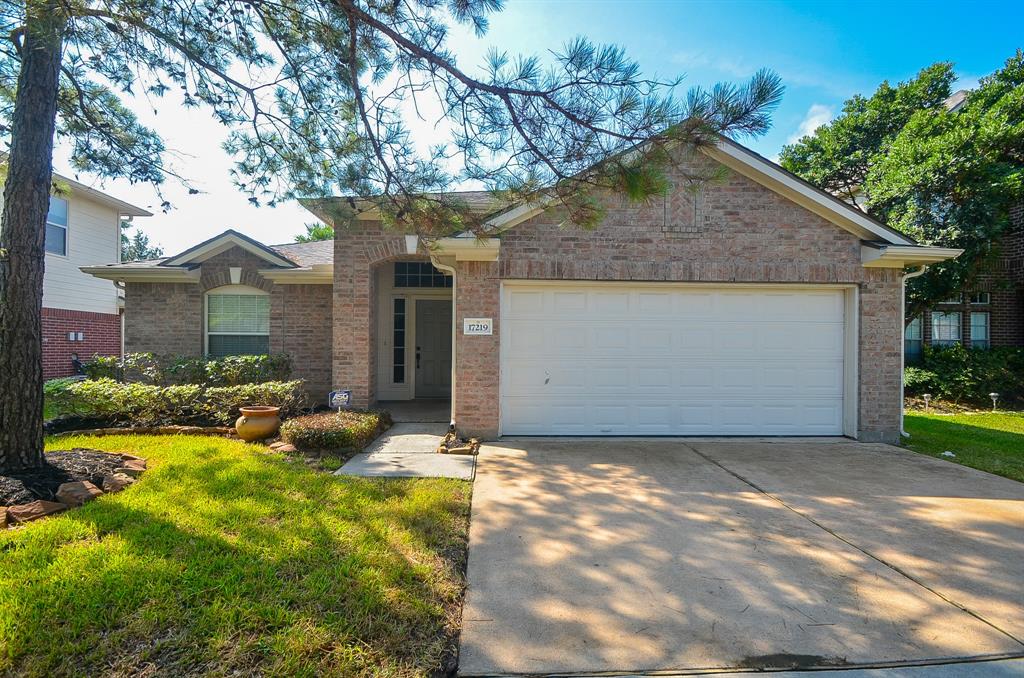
(57, 227)
(912, 341)
(945, 328)
(979, 330)
(237, 321)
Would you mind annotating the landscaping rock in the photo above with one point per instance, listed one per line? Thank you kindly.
(117, 482)
(3, 517)
(133, 467)
(284, 448)
(35, 510)
(77, 493)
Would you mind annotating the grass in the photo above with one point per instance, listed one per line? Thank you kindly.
(988, 441)
(226, 559)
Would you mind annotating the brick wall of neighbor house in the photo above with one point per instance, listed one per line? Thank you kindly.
(168, 318)
(732, 230)
(1005, 285)
(101, 331)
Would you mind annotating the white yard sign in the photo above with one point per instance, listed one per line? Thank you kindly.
(478, 326)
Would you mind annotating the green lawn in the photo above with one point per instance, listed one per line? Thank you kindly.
(989, 441)
(228, 560)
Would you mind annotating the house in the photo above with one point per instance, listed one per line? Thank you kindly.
(81, 314)
(756, 305)
(989, 312)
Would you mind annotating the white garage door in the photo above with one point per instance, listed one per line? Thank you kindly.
(649, 359)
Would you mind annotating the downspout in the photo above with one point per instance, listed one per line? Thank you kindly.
(903, 344)
(455, 283)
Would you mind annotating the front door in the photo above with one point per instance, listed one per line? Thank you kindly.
(433, 348)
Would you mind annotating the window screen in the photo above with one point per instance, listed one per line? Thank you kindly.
(238, 324)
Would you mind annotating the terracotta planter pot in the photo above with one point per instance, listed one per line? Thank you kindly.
(258, 422)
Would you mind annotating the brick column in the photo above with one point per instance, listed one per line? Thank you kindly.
(880, 352)
(478, 294)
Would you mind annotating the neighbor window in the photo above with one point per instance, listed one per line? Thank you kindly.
(953, 300)
(57, 226)
(980, 298)
(237, 321)
(912, 341)
(945, 328)
(419, 274)
(979, 330)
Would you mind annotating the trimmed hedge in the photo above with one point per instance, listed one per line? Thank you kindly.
(335, 430)
(962, 375)
(118, 403)
(148, 368)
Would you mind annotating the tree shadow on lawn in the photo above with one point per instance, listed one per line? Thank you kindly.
(225, 564)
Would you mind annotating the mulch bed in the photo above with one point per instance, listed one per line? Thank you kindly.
(62, 467)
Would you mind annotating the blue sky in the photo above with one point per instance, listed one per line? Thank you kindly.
(824, 51)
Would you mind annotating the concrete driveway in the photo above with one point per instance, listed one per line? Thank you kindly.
(663, 554)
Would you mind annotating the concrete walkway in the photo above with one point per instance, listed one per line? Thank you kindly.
(407, 450)
(637, 555)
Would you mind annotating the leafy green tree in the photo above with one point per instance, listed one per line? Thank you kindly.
(314, 232)
(137, 247)
(950, 178)
(943, 177)
(315, 96)
(838, 155)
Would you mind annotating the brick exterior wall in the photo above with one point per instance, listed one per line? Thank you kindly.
(102, 337)
(1004, 281)
(731, 231)
(169, 318)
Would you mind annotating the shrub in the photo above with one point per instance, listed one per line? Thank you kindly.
(148, 368)
(150, 405)
(335, 430)
(962, 375)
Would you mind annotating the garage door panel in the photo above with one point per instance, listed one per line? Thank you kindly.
(672, 361)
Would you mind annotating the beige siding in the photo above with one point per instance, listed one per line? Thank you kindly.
(93, 239)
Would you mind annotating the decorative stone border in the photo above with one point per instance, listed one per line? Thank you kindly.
(74, 494)
(226, 431)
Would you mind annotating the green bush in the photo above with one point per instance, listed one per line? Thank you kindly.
(335, 430)
(138, 404)
(147, 368)
(962, 375)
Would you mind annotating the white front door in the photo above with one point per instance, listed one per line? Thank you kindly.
(656, 359)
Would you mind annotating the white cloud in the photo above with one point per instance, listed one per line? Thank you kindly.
(817, 115)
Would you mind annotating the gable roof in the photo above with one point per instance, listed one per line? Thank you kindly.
(308, 262)
(733, 155)
(225, 241)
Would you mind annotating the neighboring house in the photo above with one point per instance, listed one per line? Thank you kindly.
(989, 312)
(758, 305)
(81, 314)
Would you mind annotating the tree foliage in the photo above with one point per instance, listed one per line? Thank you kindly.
(838, 155)
(316, 96)
(943, 176)
(137, 246)
(316, 231)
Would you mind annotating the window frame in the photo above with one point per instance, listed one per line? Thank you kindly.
(987, 296)
(946, 343)
(66, 226)
(232, 290)
(424, 271)
(988, 330)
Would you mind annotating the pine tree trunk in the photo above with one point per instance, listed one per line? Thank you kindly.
(22, 236)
